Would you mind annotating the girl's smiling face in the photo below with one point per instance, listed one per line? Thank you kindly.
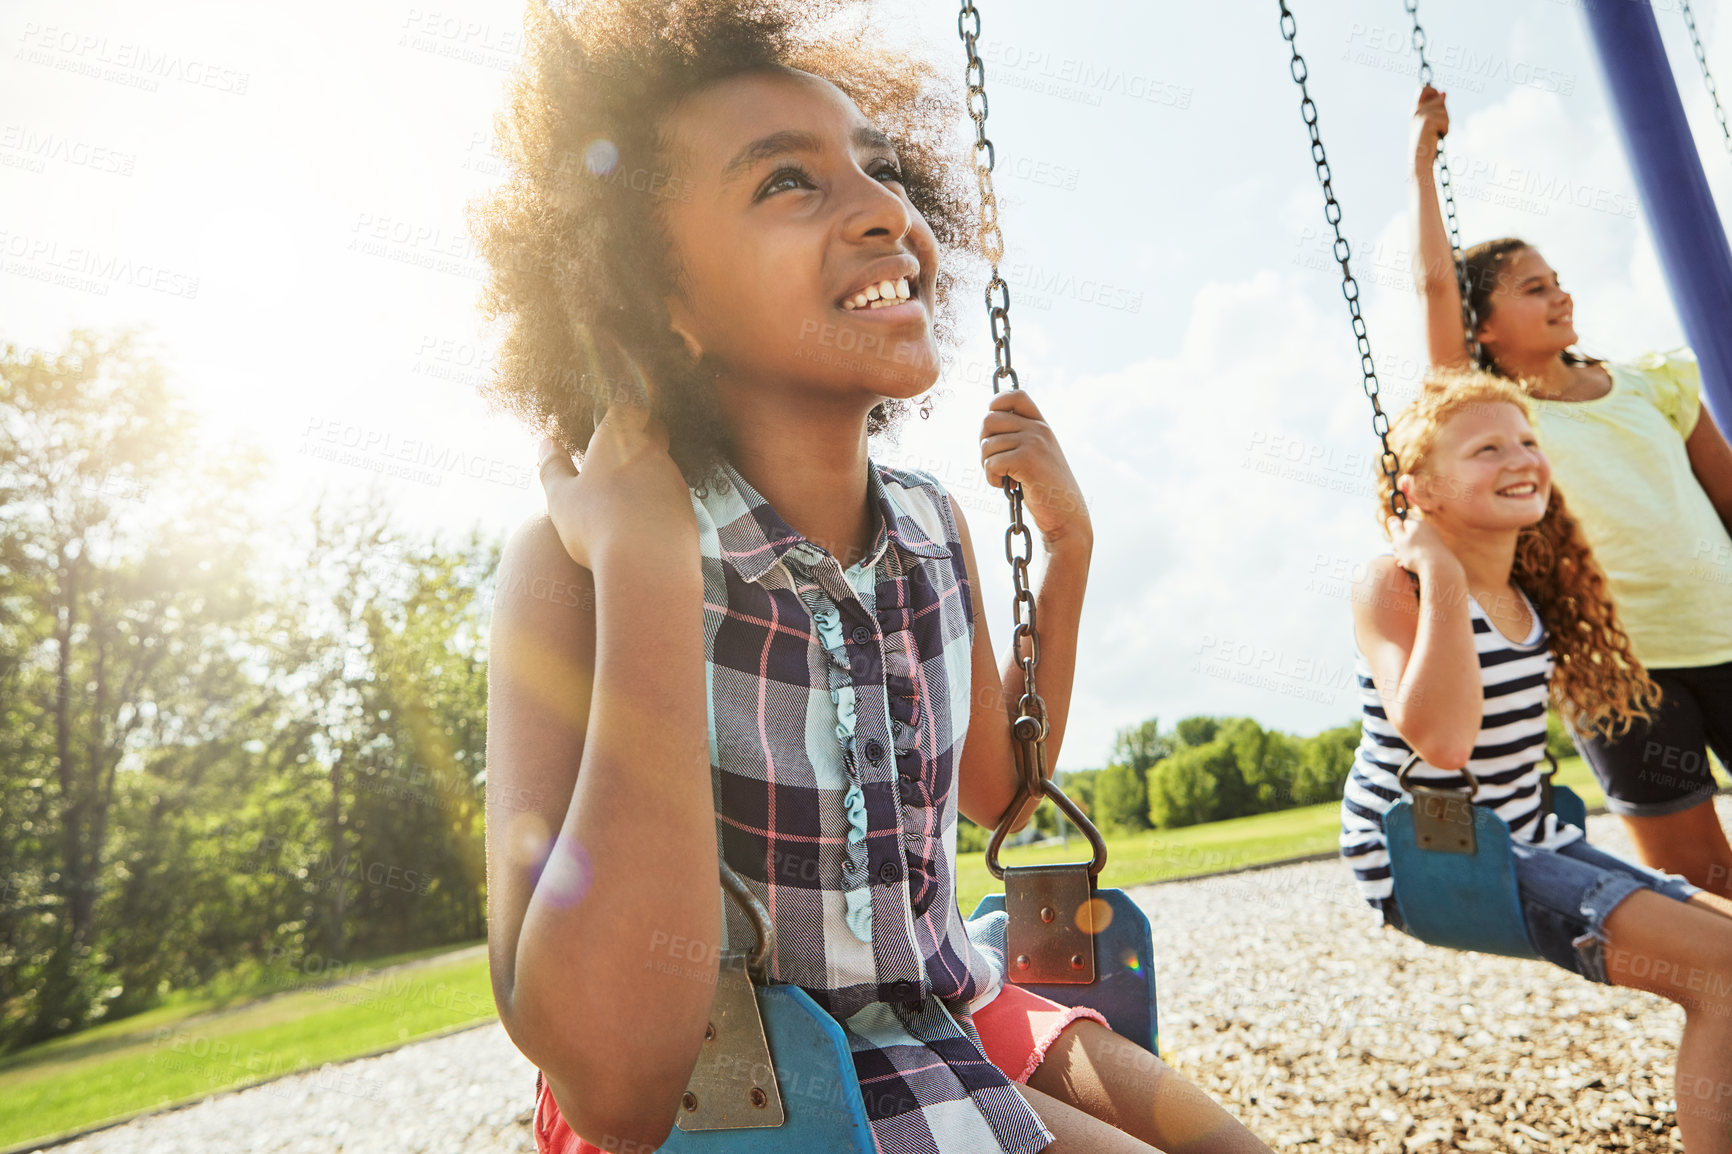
(1485, 471)
(796, 214)
(1530, 316)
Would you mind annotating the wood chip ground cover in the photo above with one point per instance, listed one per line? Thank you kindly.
(1279, 994)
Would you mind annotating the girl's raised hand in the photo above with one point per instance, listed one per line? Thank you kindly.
(630, 494)
(1419, 547)
(1015, 441)
(1430, 124)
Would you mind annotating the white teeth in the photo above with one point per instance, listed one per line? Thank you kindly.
(881, 295)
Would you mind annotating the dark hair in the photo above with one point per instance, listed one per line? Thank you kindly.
(579, 262)
(1485, 264)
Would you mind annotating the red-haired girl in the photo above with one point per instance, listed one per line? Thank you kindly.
(1510, 611)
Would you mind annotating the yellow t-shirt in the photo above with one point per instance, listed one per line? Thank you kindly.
(1621, 464)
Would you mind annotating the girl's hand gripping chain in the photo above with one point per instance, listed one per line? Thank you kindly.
(1419, 548)
(1016, 441)
(1430, 125)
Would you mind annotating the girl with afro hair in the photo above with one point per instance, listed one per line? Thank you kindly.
(725, 255)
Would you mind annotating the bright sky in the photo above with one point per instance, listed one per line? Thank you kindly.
(280, 197)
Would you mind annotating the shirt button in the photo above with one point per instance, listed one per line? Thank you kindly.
(902, 989)
(888, 873)
(874, 751)
(862, 635)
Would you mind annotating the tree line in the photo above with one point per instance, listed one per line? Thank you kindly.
(227, 744)
(1207, 769)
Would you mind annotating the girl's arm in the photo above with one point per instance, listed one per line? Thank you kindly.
(1711, 460)
(1434, 272)
(1421, 651)
(987, 774)
(604, 960)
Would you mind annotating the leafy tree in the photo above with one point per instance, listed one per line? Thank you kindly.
(1141, 746)
(1194, 785)
(1325, 760)
(1194, 731)
(125, 623)
(1122, 798)
(193, 757)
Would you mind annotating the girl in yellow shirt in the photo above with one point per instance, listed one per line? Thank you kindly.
(1649, 476)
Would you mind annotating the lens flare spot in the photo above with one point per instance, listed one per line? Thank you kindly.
(528, 840)
(600, 157)
(564, 877)
(1131, 961)
(1094, 915)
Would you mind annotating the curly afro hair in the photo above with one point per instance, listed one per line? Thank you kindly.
(579, 261)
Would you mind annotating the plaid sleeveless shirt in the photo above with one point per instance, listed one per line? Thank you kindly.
(838, 705)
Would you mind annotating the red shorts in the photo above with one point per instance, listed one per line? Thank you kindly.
(1015, 1028)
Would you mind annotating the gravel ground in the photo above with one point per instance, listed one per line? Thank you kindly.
(1279, 994)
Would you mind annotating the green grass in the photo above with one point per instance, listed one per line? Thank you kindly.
(261, 1022)
(1156, 855)
(184, 1052)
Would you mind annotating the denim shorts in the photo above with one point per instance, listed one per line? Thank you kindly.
(1566, 894)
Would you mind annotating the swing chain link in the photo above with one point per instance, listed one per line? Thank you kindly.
(1388, 461)
(1707, 76)
(1030, 726)
(1468, 323)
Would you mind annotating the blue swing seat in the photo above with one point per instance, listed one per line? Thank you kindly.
(1570, 807)
(815, 1076)
(1465, 901)
(1124, 986)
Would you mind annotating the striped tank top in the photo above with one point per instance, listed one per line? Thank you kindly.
(1507, 753)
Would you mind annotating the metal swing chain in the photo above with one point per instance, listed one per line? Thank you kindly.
(1030, 727)
(1455, 251)
(1707, 76)
(1342, 251)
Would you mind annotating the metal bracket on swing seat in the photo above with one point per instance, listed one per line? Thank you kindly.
(1442, 818)
(1052, 910)
(733, 1086)
(1051, 933)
